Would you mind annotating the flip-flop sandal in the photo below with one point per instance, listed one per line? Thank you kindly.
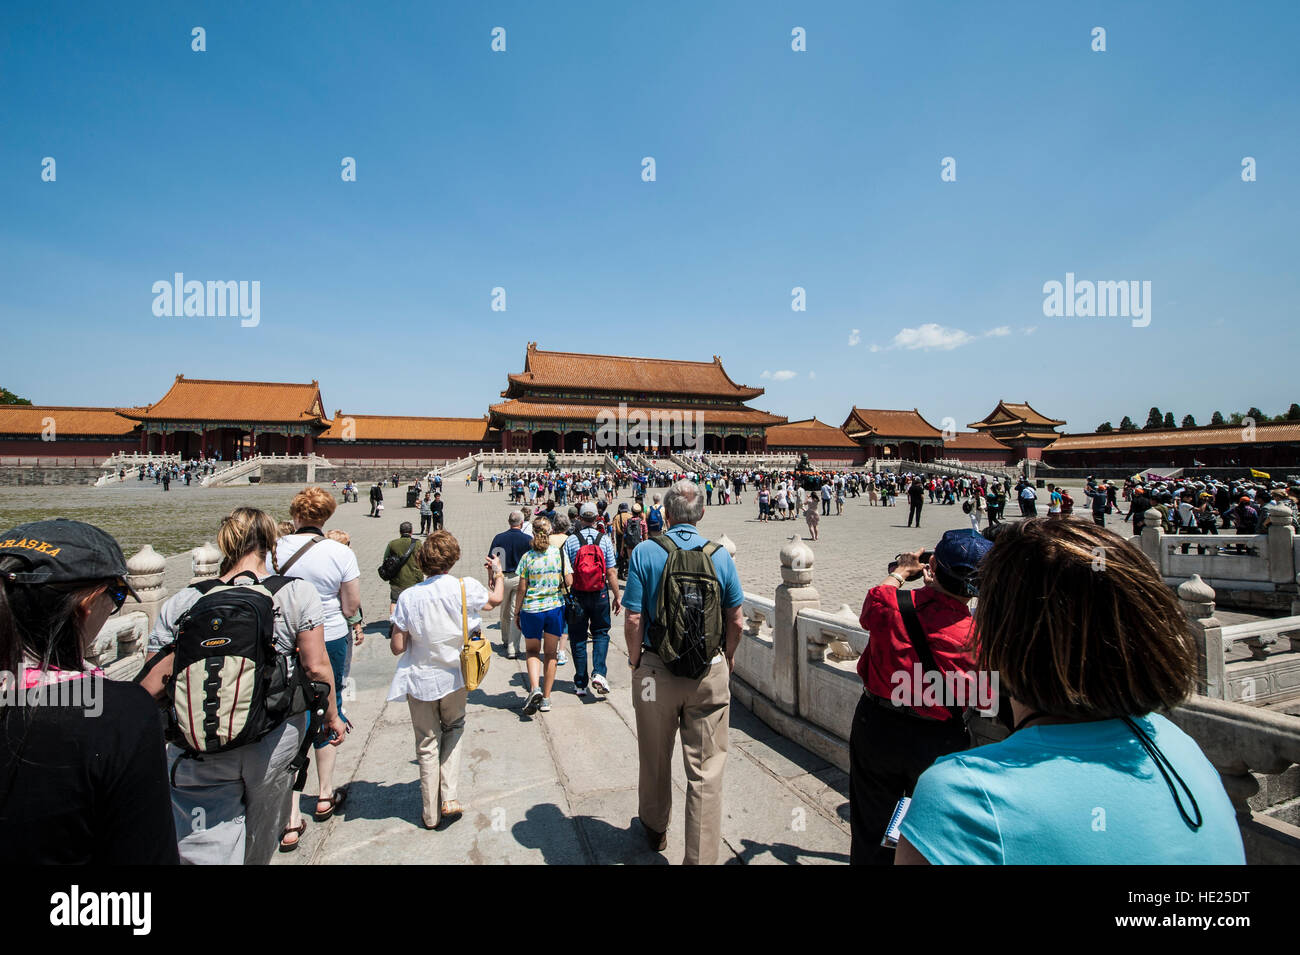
(334, 802)
(298, 830)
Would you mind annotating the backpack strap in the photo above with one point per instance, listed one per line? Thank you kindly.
(921, 643)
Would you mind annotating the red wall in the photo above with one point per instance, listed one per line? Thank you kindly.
(66, 447)
(350, 450)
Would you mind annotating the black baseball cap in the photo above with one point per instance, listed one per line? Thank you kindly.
(63, 552)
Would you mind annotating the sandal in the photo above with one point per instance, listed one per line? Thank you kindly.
(334, 802)
(297, 830)
(451, 811)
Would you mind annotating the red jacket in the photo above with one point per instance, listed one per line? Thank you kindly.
(947, 622)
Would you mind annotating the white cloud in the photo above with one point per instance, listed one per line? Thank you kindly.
(855, 336)
(875, 348)
(1030, 329)
(931, 336)
(784, 375)
(999, 332)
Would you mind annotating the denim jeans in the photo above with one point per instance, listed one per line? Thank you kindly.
(588, 611)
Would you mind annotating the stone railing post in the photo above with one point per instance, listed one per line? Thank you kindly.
(794, 594)
(1152, 532)
(145, 575)
(1281, 545)
(1196, 597)
(205, 561)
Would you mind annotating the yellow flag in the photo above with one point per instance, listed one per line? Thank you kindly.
(1258, 474)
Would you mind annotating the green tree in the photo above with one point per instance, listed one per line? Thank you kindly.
(1127, 424)
(1293, 413)
(1216, 418)
(1257, 416)
(1105, 427)
(7, 397)
(1154, 420)
(1169, 419)
(1188, 421)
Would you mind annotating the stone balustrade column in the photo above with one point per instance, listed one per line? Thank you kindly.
(145, 575)
(205, 561)
(794, 594)
(1196, 598)
(1150, 540)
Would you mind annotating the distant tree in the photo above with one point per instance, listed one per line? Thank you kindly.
(1293, 413)
(1216, 418)
(1127, 424)
(1105, 427)
(7, 397)
(1254, 414)
(1236, 417)
(1188, 421)
(1169, 419)
(1154, 420)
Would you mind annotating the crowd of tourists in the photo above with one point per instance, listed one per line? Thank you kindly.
(248, 670)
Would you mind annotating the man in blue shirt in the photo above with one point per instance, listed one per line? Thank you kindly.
(510, 545)
(665, 703)
(590, 588)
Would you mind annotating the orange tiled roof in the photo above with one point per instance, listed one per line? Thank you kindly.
(589, 413)
(973, 441)
(808, 433)
(554, 369)
(884, 423)
(1010, 412)
(399, 428)
(29, 419)
(197, 399)
(1176, 437)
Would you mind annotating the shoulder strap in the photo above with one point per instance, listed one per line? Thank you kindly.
(666, 543)
(464, 613)
(920, 643)
(410, 550)
(299, 552)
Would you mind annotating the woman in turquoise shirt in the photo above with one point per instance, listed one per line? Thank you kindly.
(1090, 647)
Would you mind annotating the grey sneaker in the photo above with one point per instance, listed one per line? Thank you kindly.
(580, 691)
(546, 704)
(534, 700)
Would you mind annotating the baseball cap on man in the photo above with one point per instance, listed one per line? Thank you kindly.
(958, 555)
(61, 551)
(589, 510)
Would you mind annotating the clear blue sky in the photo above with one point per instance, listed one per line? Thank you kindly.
(775, 169)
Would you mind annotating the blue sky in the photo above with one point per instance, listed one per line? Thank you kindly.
(775, 169)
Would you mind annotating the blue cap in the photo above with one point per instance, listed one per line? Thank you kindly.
(958, 555)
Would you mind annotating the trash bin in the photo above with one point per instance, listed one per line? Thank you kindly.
(412, 493)
(1042, 482)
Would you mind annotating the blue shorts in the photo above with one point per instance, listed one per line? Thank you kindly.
(338, 654)
(543, 621)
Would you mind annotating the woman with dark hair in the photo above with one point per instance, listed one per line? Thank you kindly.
(82, 773)
(1090, 647)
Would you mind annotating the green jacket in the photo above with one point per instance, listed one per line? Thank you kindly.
(410, 574)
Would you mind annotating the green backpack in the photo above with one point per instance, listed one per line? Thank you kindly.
(687, 630)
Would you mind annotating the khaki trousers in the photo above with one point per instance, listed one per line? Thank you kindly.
(510, 637)
(666, 705)
(439, 726)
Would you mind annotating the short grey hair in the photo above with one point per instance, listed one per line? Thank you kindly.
(560, 524)
(684, 504)
(516, 518)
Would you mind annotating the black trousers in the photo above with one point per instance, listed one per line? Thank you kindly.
(914, 510)
(888, 752)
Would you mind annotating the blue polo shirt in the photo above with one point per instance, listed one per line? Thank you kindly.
(587, 534)
(511, 545)
(646, 569)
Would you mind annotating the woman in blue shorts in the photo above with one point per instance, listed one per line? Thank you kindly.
(539, 613)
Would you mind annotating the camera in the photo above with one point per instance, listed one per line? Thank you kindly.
(915, 575)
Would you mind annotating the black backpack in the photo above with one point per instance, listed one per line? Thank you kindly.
(687, 630)
(392, 565)
(230, 686)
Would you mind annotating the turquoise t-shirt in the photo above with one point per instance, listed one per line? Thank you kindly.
(1072, 794)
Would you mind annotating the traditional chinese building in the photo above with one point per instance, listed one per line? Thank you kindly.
(1265, 446)
(198, 415)
(1020, 428)
(369, 437)
(56, 431)
(888, 434)
(977, 447)
(823, 443)
(567, 401)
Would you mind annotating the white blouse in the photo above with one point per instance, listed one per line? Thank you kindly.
(429, 612)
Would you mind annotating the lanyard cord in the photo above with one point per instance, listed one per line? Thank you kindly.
(1161, 762)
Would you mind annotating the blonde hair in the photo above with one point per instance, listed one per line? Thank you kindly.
(541, 533)
(342, 537)
(313, 506)
(246, 530)
(284, 528)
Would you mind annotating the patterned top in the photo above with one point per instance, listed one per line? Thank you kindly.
(541, 572)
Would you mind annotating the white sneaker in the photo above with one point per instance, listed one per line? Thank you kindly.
(580, 691)
(546, 704)
(534, 700)
(561, 659)
(599, 685)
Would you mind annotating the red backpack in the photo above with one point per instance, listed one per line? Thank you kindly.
(589, 566)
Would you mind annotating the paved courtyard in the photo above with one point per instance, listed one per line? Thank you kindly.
(560, 787)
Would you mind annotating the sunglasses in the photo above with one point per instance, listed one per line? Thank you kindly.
(117, 593)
